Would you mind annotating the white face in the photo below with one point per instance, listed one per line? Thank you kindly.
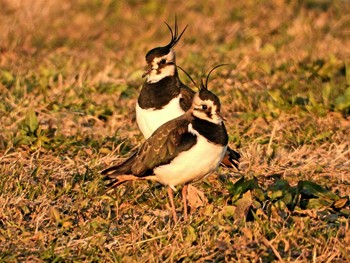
(206, 110)
(162, 67)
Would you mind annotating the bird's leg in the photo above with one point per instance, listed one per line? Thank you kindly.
(184, 199)
(171, 199)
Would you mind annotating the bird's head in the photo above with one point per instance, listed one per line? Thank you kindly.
(206, 105)
(161, 60)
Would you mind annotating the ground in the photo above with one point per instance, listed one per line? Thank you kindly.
(70, 73)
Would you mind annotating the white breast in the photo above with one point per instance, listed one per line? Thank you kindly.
(192, 165)
(149, 120)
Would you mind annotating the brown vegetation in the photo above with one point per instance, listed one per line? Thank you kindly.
(70, 72)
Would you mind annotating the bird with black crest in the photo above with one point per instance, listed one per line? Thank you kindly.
(163, 96)
(181, 151)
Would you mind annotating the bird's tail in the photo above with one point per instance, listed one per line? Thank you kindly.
(231, 159)
(119, 173)
(116, 180)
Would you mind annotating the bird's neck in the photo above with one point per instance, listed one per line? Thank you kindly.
(215, 133)
(156, 95)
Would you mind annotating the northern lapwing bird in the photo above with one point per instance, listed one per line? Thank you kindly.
(181, 151)
(163, 96)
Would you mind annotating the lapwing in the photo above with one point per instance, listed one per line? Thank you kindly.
(181, 151)
(163, 96)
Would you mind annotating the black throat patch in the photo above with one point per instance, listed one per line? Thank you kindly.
(157, 95)
(213, 132)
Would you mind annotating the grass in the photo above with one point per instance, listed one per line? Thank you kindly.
(69, 78)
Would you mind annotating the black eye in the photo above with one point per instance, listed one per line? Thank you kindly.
(204, 107)
(163, 61)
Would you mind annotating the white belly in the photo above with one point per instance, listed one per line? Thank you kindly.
(150, 119)
(192, 165)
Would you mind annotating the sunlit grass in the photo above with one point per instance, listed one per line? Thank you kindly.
(69, 79)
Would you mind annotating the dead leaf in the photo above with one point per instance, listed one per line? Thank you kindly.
(209, 210)
(55, 215)
(195, 197)
(341, 203)
(308, 212)
(228, 210)
(243, 205)
(191, 234)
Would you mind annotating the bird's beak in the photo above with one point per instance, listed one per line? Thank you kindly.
(148, 69)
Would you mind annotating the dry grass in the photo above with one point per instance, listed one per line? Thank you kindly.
(77, 66)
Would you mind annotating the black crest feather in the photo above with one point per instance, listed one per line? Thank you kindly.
(174, 34)
(203, 86)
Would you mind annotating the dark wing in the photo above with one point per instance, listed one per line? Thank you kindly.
(166, 142)
(187, 97)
